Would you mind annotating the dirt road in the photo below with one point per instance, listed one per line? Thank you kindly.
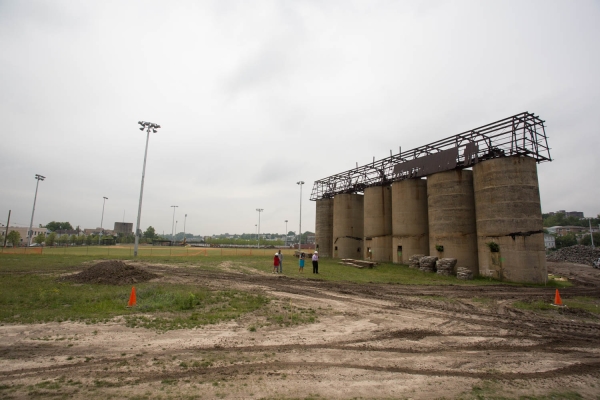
(370, 341)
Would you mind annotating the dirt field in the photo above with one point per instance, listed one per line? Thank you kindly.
(370, 341)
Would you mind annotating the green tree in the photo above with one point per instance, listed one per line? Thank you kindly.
(80, 240)
(150, 233)
(89, 239)
(55, 226)
(39, 239)
(587, 242)
(14, 237)
(72, 239)
(51, 239)
(566, 241)
(63, 239)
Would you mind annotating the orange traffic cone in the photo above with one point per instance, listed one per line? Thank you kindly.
(557, 299)
(132, 299)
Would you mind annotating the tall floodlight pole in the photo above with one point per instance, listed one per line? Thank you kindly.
(258, 234)
(30, 232)
(591, 233)
(286, 231)
(300, 229)
(173, 224)
(256, 230)
(148, 126)
(184, 219)
(102, 221)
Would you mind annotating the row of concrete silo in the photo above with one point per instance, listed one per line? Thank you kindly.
(489, 219)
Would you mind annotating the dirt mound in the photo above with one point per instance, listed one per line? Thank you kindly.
(575, 254)
(111, 272)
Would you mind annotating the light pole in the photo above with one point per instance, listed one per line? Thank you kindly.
(175, 229)
(591, 233)
(102, 221)
(300, 229)
(286, 231)
(173, 223)
(148, 126)
(258, 234)
(256, 230)
(30, 232)
(184, 219)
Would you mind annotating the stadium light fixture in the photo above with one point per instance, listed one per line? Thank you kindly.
(102, 221)
(300, 229)
(258, 235)
(147, 126)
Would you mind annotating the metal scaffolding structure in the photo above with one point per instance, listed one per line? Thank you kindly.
(523, 134)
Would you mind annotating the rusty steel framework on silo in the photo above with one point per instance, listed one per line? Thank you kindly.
(523, 134)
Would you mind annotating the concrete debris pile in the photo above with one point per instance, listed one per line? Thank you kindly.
(427, 263)
(358, 263)
(414, 260)
(464, 273)
(575, 254)
(445, 266)
(111, 272)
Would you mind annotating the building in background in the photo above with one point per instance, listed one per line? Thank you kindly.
(549, 241)
(22, 231)
(125, 228)
(576, 214)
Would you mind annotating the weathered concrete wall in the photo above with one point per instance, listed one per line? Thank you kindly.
(348, 226)
(378, 223)
(451, 205)
(409, 219)
(508, 213)
(324, 227)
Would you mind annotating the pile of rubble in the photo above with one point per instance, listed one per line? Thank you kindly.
(427, 263)
(575, 254)
(464, 273)
(358, 263)
(445, 266)
(414, 261)
(111, 272)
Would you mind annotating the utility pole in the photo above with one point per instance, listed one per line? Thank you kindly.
(7, 225)
(30, 232)
(300, 229)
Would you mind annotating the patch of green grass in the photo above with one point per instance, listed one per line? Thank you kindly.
(32, 298)
(439, 298)
(537, 305)
(589, 304)
(585, 304)
(48, 385)
(484, 301)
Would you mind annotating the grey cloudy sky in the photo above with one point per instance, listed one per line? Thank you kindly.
(253, 96)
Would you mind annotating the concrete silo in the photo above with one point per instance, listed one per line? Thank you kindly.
(324, 227)
(378, 223)
(409, 219)
(510, 240)
(348, 225)
(452, 228)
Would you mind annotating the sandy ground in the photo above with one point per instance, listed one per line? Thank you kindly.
(370, 341)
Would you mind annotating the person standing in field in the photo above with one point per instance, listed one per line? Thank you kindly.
(315, 261)
(280, 261)
(301, 263)
(276, 263)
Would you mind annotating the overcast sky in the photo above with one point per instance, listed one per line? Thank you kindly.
(253, 96)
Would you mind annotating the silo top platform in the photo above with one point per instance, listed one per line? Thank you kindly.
(523, 134)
